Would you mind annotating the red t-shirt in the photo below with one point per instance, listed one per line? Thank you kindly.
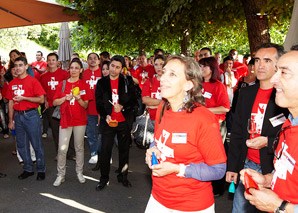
(258, 114)
(216, 95)
(115, 100)
(187, 138)
(77, 115)
(50, 82)
(39, 65)
(27, 87)
(91, 77)
(143, 73)
(285, 177)
(153, 91)
(4, 90)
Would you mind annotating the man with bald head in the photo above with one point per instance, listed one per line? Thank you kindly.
(282, 197)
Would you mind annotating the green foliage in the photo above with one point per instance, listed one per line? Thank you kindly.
(47, 37)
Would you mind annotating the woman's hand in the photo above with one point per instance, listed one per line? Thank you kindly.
(149, 155)
(69, 97)
(77, 97)
(164, 169)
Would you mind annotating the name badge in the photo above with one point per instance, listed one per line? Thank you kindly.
(83, 92)
(207, 95)
(14, 87)
(277, 120)
(179, 138)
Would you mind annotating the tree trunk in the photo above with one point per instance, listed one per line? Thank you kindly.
(141, 49)
(257, 26)
(185, 43)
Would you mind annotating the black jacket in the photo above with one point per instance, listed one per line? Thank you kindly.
(237, 148)
(127, 97)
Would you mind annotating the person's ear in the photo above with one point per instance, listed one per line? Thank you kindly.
(188, 85)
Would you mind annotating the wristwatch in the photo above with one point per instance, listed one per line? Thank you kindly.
(282, 207)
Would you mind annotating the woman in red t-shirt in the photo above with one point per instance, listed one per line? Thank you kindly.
(151, 95)
(74, 102)
(187, 143)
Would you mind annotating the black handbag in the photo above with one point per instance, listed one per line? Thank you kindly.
(143, 131)
(56, 113)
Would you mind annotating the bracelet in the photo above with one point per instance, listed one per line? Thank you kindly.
(181, 170)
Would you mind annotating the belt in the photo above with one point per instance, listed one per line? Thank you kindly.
(25, 111)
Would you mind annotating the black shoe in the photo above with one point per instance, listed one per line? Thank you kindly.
(41, 176)
(25, 174)
(123, 179)
(101, 185)
(2, 175)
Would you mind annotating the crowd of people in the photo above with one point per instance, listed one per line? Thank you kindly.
(214, 122)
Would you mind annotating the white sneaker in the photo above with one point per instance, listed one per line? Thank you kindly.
(93, 159)
(81, 178)
(58, 181)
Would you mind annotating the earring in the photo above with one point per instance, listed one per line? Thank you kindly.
(186, 98)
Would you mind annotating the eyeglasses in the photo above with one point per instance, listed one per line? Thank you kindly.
(276, 140)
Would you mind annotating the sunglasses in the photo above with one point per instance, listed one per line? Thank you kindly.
(276, 140)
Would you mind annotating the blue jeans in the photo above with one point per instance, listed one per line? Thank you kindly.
(240, 204)
(28, 128)
(92, 134)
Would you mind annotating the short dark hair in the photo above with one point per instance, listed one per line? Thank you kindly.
(105, 54)
(76, 54)
(213, 64)
(246, 56)
(94, 54)
(119, 58)
(39, 52)
(21, 59)
(206, 48)
(279, 49)
(294, 47)
(76, 60)
(252, 61)
(156, 51)
(53, 54)
(159, 57)
(228, 58)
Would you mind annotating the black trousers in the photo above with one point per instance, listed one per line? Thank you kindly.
(123, 135)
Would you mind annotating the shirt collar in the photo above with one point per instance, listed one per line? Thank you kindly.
(294, 121)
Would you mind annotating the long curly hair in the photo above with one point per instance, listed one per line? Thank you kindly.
(192, 73)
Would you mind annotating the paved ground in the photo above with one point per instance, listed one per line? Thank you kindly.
(34, 196)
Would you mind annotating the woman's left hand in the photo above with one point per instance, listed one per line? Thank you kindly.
(77, 97)
(165, 168)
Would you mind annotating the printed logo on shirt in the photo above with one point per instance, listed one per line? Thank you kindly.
(93, 81)
(285, 164)
(157, 94)
(166, 152)
(18, 91)
(53, 83)
(115, 96)
(259, 117)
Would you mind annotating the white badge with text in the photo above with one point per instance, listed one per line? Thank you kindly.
(179, 138)
(207, 95)
(278, 120)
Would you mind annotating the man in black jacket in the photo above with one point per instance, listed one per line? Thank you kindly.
(115, 100)
(257, 104)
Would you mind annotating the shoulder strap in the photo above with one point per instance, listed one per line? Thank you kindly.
(63, 87)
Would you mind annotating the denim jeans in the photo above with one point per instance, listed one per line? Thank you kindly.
(92, 134)
(240, 204)
(28, 128)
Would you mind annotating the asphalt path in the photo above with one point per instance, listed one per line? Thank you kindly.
(33, 196)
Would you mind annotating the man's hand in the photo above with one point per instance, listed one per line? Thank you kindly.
(231, 176)
(108, 119)
(256, 176)
(264, 199)
(18, 98)
(257, 143)
(118, 108)
(11, 125)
